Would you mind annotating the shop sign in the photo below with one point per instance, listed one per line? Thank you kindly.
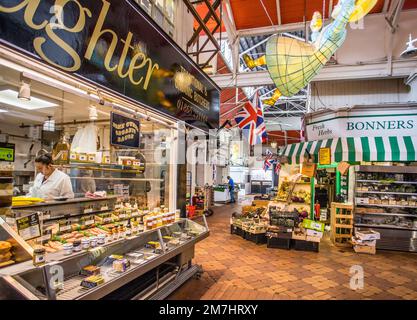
(308, 169)
(28, 227)
(377, 125)
(115, 45)
(124, 131)
(325, 156)
(7, 152)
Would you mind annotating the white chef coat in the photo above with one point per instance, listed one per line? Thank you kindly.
(57, 185)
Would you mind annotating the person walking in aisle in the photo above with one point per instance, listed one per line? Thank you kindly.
(231, 189)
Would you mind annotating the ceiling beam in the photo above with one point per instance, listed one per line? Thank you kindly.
(386, 6)
(400, 68)
(271, 29)
(279, 12)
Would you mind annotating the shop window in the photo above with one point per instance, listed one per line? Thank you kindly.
(161, 11)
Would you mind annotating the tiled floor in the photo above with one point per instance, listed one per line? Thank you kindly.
(238, 269)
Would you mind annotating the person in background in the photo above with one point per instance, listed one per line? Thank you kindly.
(231, 189)
(50, 182)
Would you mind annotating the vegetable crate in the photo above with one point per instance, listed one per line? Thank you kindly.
(303, 245)
(258, 238)
(237, 230)
(278, 243)
(341, 224)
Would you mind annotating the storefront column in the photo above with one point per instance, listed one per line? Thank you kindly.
(182, 169)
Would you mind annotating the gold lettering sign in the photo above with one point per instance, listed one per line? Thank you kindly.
(139, 62)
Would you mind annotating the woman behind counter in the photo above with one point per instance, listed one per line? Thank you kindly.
(50, 183)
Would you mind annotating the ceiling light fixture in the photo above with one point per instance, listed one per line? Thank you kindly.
(411, 50)
(24, 89)
(2, 110)
(274, 144)
(13, 98)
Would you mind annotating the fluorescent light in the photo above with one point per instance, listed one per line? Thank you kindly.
(9, 97)
(2, 110)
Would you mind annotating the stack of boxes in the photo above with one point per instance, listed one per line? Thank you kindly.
(308, 235)
(364, 241)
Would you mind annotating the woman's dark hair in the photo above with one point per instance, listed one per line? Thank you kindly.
(45, 159)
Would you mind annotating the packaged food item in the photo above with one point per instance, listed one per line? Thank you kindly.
(68, 248)
(77, 246)
(101, 239)
(39, 257)
(92, 281)
(93, 242)
(85, 244)
(121, 265)
(90, 271)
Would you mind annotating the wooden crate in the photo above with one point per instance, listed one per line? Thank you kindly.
(341, 224)
(260, 203)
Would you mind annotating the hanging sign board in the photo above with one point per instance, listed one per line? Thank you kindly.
(117, 46)
(308, 169)
(28, 227)
(325, 157)
(124, 131)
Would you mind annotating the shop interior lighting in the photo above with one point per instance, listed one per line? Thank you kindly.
(411, 50)
(10, 97)
(274, 144)
(2, 110)
(24, 90)
(93, 113)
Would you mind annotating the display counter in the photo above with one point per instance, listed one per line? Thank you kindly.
(173, 243)
(221, 193)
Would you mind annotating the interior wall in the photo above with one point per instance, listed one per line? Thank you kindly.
(336, 94)
(22, 146)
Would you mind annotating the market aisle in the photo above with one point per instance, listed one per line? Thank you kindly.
(238, 269)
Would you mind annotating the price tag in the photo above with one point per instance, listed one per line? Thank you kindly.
(45, 237)
(64, 228)
(135, 214)
(10, 221)
(88, 210)
(122, 216)
(104, 208)
(106, 220)
(44, 217)
(89, 222)
(28, 227)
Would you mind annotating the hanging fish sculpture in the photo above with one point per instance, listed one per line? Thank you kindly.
(292, 63)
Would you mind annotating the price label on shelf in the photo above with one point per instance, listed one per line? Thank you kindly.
(89, 222)
(107, 220)
(28, 227)
(64, 228)
(122, 216)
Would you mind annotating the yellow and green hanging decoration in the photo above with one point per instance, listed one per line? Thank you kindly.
(292, 63)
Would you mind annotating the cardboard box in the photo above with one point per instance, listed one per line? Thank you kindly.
(313, 225)
(312, 239)
(367, 235)
(357, 241)
(314, 233)
(365, 249)
(298, 236)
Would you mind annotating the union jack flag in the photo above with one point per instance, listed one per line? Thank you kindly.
(278, 168)
(268, 160)
(251, 120)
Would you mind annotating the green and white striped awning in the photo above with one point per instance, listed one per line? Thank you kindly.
(356, 149)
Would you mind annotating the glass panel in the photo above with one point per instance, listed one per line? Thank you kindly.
(158, 17)
(146, 5)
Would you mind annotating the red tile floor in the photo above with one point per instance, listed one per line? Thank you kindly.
(236, 269)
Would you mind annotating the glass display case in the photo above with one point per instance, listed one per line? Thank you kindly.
(96, 273)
